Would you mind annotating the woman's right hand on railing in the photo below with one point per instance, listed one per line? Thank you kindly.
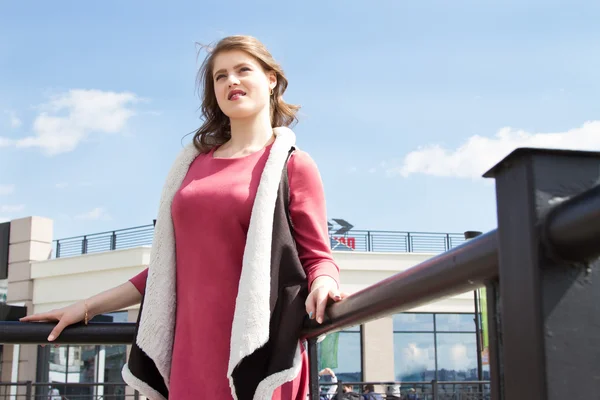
(65, 316)
(117, 298)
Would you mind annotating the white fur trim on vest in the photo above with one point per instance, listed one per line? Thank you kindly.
(250, 329)
(139, 385)
(157, 323)
(267, 387)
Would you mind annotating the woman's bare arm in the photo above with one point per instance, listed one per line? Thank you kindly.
(124, 295)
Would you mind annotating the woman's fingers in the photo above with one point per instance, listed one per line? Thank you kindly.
(47, 316)
(335, 295)
(62, 324)
(316, 303)
(320, 304)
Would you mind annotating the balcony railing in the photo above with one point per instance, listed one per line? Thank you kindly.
(66, 391)
(540, 269)
(353, 240)
(434, 390)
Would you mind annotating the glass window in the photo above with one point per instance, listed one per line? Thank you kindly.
(413, 322)
(89, 364)
(414, 356)
(58, 363)
(457, 356)
(342, 352)
(455, 322)
(115, 356)
(446, 350)
(120, 316)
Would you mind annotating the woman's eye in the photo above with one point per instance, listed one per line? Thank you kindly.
(219, 77)
(244, 69)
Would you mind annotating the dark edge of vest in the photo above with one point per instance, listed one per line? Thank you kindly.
(287, 306)
(288, 298)
(142, 366)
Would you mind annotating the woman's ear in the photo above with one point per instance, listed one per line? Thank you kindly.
(272, 80)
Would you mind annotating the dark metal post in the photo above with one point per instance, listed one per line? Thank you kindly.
(28, 391)
(544, 351)
(113, 241)
(313, 363)
(84, 245)
(58, 249)
(435, 389)
(408, 242)
(368, 240)
(494, 324)
(470, 235)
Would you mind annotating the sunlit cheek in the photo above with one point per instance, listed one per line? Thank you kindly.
(219, 95)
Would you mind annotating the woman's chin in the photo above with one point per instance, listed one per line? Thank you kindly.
(240, 112)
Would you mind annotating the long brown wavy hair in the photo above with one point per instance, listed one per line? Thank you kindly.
(215, 129)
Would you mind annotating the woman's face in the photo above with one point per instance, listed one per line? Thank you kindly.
(242, 87)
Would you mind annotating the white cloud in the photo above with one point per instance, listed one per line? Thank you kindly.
(70, 117)
(97, 213)
(6, 189)
(61, 185)
(478, 154)
(12, 209)
(15, 122)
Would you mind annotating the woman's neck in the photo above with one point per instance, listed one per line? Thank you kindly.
(249, 135)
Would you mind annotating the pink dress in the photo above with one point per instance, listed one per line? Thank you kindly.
(211, 215)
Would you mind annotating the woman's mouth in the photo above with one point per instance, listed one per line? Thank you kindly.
(235, 94)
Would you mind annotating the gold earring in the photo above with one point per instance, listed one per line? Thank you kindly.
(272, 91)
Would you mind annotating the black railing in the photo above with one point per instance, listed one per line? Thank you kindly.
(353, 240)
(540, 269)
(433, 390)
(66, 391)
(438, 390)
(104, 241)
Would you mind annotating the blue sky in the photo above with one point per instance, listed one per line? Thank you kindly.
(404, 104)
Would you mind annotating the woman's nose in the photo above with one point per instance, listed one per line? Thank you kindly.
(233, 80)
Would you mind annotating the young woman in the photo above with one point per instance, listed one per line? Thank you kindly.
(241, 251)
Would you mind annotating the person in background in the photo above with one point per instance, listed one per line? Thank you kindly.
(348, 393)
(326, 375)
(412, 394)
(392, 392)
(369, 393)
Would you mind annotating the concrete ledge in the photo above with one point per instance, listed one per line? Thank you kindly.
(20, 291)
(29, 251)
(83, 264)
(19, 271)
(27, 229)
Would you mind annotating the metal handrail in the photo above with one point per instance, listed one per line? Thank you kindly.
(459, 270)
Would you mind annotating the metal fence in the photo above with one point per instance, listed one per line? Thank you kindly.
(104, 241)
(353, 240)
(66, 391)
(434, 390)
